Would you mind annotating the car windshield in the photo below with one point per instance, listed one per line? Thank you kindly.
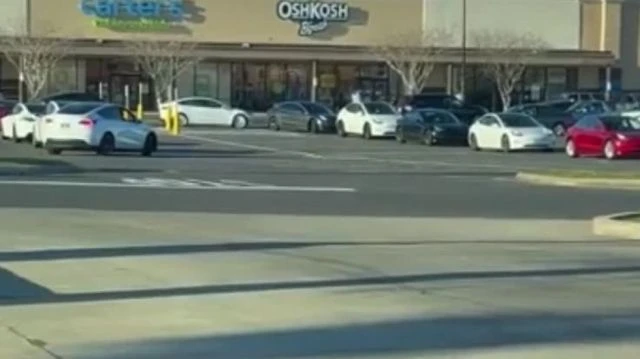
(379, 108)
(316, 108)
(621, 123)
(518, 120)
(36, 109)
(439, 118)
(79, 108)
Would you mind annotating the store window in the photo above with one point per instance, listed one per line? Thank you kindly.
(257, 86)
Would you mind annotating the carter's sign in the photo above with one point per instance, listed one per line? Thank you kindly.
(313, 16)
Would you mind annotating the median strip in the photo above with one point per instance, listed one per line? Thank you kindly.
(624, 225)
(583, 178)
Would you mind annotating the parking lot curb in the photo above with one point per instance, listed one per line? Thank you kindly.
(616, 225)
(578, 182)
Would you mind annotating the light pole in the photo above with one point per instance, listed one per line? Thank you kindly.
(463, 66)
(603, 46)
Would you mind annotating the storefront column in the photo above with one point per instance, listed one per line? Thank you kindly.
(314, 79)
(607, 91)
(450, 89)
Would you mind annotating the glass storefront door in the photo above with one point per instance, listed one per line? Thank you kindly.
(123, 89)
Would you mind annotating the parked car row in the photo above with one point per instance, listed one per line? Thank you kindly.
(589, 128)
(64, 124)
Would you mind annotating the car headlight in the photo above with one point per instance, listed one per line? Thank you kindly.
(377, 121)
(516, 133)
(621, 137)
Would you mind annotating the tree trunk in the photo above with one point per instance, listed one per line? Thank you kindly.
(505, 97)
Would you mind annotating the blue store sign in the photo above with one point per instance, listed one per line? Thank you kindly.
(134, 14)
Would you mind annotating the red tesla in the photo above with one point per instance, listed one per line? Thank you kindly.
(607, 135)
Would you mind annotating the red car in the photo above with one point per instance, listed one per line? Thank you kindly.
(607, 135)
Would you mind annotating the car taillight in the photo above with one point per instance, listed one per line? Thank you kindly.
(87, 122)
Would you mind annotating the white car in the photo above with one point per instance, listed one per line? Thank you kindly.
(19, 124)
(368, 119)
(509, 131)
(104, 128)
(207, 111)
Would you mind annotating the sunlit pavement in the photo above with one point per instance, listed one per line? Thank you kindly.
(85, 284)
(255, 244)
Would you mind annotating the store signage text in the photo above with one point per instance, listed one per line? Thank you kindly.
(134, 14)
(313, 16)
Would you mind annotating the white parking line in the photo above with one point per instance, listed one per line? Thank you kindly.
(177, 186)
(253, 147)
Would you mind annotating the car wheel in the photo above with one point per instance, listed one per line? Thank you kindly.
(107, 144)
(313, 126)
(400, 135)
(473, 143)
(54, 151)
(184, 120)
(240, 121)
(609, 150)
(150, 145)
(505, 145)
(559, 130)
(570, 149)
(340, 129)
(273, 124)
(427, 138)
(15, 136)
(366, 132)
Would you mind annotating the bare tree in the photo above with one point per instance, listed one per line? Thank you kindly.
(505, 56)
(34, 58)
(163, 62)
(413, 56)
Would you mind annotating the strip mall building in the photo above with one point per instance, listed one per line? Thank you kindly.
(262, 51)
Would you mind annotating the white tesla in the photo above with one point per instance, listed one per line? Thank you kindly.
(368, 119)
(19, 124)
(104, 128)
(509, 131)
(207, 111)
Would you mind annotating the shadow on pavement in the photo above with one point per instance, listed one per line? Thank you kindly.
(201, 153)
(132, 251)
(407, 336)
(84, 253)
(313, 284)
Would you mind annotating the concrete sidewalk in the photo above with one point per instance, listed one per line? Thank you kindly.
(94, 284)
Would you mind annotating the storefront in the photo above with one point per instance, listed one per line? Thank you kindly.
(256, 52)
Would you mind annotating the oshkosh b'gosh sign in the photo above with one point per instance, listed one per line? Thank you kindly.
(313, 16)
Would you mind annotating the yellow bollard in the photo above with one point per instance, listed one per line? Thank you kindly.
(175, 121)
(139, 111)
(165, 115)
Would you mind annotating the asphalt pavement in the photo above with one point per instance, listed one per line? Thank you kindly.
(263, 172)
(255, 244)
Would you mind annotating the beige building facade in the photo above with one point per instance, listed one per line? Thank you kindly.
(261, 51)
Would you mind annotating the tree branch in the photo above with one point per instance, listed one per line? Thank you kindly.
(33, 57)
(413, 56)
(506, 56)
(163, 61)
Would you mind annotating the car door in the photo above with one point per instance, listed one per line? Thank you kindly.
(482, 130)
(191, 109)
(588, 137)
(348, 117)
(214, 113)
(359, 118)
(112, 119)
(298, 116)
(417, 124)
(285, 115)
